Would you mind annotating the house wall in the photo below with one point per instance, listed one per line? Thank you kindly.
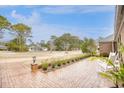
(122, 40)
(119, 28)
(122, 35)
(105, 48)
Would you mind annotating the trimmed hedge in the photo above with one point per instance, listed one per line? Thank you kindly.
(45, 66)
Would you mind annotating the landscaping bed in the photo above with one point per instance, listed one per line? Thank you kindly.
(57, 64)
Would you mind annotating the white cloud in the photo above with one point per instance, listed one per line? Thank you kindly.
(31, 20)
(40, 30)
(17, 16)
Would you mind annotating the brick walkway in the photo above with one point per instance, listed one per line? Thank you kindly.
(77, 75)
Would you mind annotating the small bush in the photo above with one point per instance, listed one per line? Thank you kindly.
(58, 63)
(77, 59)
(73, 60)
(64, 63)
(45, 66)
(54, 64)
(68, 61)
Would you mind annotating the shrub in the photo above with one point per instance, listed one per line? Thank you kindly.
(68, 61)
(64, 63)
(45, 66)
(49, 64)
(54, 64)
(73, 60)
(58, 63)
(77, 59)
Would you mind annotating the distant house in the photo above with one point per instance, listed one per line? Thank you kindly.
(44, 49)
(3, 48)
(35, 48)
(107, 45)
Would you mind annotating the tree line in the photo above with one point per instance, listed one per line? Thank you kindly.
(19, 30)
(65, 42)
(68, 42)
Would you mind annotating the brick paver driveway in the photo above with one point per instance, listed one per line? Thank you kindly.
(78, 75)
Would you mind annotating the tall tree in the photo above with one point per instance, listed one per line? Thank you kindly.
(4, 24)
(67, 42)
(53, 37)
(52, 43)
(88, 45)
(22, 32)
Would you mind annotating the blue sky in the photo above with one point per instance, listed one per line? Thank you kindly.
(82, 21)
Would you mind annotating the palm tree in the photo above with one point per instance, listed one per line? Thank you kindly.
(116, 75)
(111, 75)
